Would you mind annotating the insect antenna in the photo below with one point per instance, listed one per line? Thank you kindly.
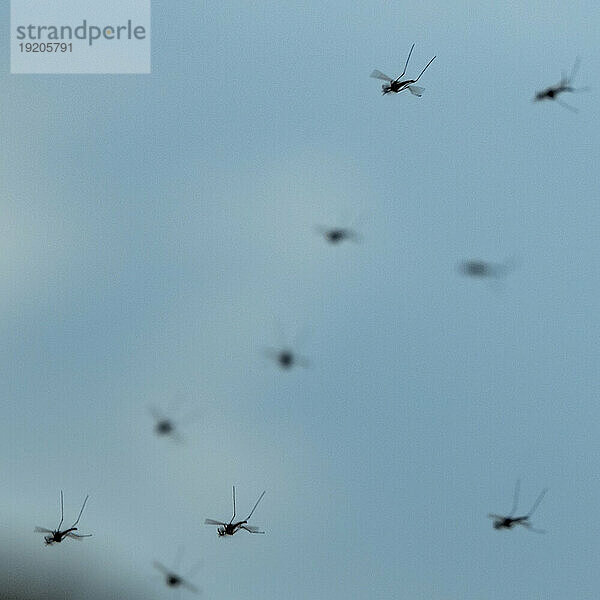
(423, 71)
(62, 511)
(515, 498)
(252, 511)
(81, 511)
(406, 65)
(537, 502)
(233, 493)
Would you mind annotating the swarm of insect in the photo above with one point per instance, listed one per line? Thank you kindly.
(232, 528)
(56, 535)
(173, 579)
(509, 521)
(552, 92)
(397, 85)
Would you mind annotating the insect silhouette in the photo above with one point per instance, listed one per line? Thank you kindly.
(509, 521)
(397, 85)
(232, 528)
(173, 579)
(56, 535)
(481, 268)
(552, 92)
(338, 234)
(335, 235)
(165, 424)
(283, 355)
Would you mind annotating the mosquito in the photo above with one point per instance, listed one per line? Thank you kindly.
(167, 426)
(481, 268)
(284, 356)
(396, 85)
(174, 580)
(552, 92)
(57, 535)
(508, 522)
(231, 528)
(335, 235)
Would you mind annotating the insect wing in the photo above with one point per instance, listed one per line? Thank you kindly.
(302, 361)
(157, 414)
(161, 568)
(188, 586)
(415, 90)
(272, 353)
(379, 75)
(498, 517)
(213, 522)
(528, 526)
(43, 530)
(252, 529)
(567, 106)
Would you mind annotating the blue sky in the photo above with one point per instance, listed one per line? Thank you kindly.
(157, 228)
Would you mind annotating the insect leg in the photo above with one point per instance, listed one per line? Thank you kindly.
(565, 105)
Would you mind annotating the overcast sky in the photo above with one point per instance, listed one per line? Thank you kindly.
(158, 231)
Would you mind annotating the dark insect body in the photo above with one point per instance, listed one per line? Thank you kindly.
(564, 85)
(232, 528)
(56, 536)
(397, 85)
(173, 579)
(509, 521)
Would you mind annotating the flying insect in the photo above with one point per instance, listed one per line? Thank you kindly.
(56, 535)
(509, 521)
(475, 267)
(165, 423)
(174, 580)
(397, 85)
(284, 355)
(564, 85)
(232, 528)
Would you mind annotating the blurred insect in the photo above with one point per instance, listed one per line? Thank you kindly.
(335, 235)
(396, 85)
(231, 528)
(283, 355)
(508, 522)
(552, 92)
(56, 535)
(481, 268)
(167, 426)
(173, 580)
